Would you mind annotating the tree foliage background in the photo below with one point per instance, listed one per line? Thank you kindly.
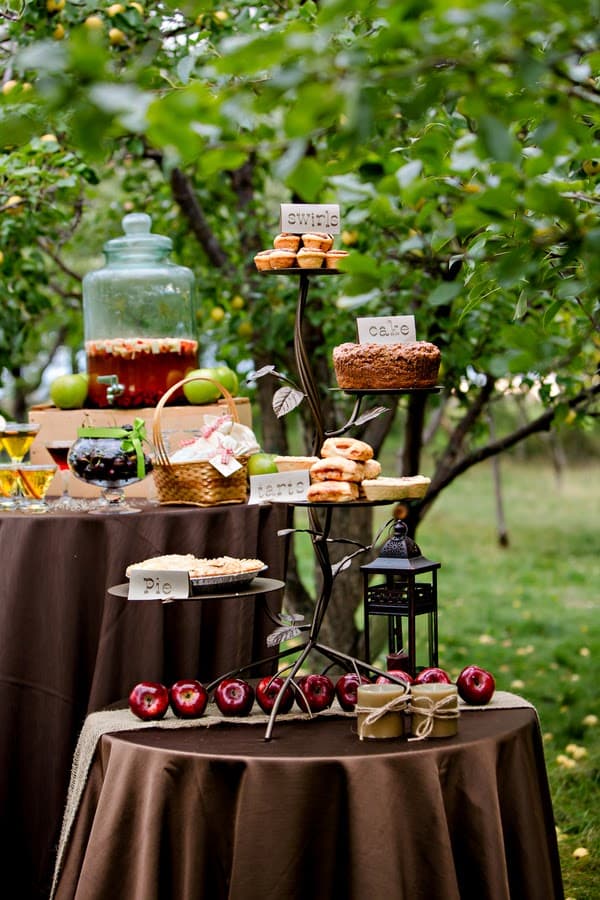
(460, 140)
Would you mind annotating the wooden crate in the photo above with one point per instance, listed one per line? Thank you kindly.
(178, 422)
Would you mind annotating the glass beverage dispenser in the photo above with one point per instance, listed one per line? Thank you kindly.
(138, 319)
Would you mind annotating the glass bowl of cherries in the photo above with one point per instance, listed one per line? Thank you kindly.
(112, 458)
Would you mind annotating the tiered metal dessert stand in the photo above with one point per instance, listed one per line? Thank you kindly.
(320, 521)
(320, 514)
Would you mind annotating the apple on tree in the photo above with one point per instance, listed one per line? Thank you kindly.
(149, 700)
(267, 691)
(346, 688)
(432, 675)
(234, 697)
(316, 692)
(188, 698)
(475, 685)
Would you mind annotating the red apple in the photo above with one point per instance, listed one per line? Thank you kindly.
(399, 674)
(234, 697)
(432, 674)
(267, 691)
(476, 685)
(149, 700)
(317, 690)
(346, 687)
(188, 698)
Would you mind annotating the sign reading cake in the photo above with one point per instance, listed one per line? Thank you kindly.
(298, 218)
(386, 329)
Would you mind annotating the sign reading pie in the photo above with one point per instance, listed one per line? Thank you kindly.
(150, 584)
(279, 487)
(386, 329)
(298, 218)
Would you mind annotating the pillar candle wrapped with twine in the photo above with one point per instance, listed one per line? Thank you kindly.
(434, 709)
(379, 710)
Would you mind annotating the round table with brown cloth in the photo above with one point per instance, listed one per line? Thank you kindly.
(315, 814)
(67, 647)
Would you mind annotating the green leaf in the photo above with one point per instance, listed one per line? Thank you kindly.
(497, 140)
(306, 180)
(444, 293)
(545, 200)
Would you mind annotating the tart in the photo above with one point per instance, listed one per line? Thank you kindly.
(332, 258)
(262, 260)
(310, 259)
(404, 488)
(317, 240)
(287, 241)
(282, 259)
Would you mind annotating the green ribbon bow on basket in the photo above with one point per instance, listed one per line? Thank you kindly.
(131, 440)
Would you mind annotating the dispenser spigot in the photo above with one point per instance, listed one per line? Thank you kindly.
(114, 389)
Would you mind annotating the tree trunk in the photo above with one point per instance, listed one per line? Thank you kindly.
(339, 629)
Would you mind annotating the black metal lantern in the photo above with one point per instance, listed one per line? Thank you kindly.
(409, 590)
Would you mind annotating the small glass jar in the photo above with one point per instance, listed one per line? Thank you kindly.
(139, 319)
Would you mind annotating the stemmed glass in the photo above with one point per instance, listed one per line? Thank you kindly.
(9, 481)
(59, 451)
(35, 481)
(17, 438)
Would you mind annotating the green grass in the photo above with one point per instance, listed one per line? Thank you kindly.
(529, 613)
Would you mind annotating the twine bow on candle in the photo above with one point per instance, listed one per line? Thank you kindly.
(374, 713)
(446, 708)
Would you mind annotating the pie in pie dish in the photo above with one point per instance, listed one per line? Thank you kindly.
(198, 567)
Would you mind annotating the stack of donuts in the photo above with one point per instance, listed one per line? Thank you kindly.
(344, 464)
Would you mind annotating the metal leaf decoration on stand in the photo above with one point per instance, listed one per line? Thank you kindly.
(286, 399)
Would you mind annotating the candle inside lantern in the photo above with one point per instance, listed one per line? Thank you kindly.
(441, 702)
(371, 698)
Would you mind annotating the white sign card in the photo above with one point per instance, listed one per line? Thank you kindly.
(279, 487)
(297, 218)
(151, 584)
(386, 329)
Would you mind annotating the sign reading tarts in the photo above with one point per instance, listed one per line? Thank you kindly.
(297, 218)
(386, 329)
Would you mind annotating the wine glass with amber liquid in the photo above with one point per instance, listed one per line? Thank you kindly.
(9, 482)
(35, 481)
(16, 439)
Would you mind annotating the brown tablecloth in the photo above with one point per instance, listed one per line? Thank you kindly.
(67, 647)
(316, 814)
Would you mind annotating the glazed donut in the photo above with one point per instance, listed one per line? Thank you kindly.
(348, 447)
(372, 468)
(337, 468)
(332, 492)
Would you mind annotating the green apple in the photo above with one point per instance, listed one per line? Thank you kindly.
(69, 391)
(197, 392)
(227, 377)
(262, 464)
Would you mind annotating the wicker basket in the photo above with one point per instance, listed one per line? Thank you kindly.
(195, 483)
